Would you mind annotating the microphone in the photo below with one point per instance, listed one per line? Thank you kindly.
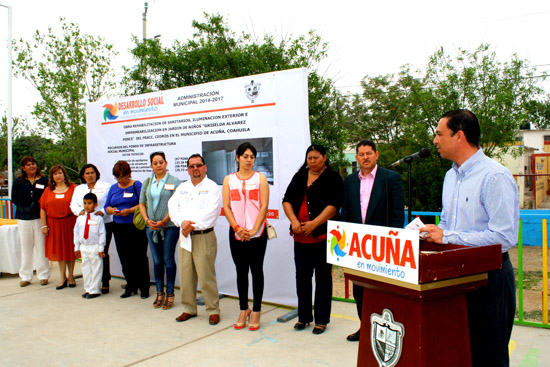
(422, 153)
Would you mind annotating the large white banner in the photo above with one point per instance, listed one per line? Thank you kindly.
(269, 110)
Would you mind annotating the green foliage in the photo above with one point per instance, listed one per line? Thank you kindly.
(68, 71)
(216, 53)
(400, 112)
(19, 127)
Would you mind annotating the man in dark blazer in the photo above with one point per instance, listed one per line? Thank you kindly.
(373, 195)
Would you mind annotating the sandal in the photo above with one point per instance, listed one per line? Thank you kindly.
(300, 325)
(159, 300)
(168, 301)
(241, 325)
(319, 329)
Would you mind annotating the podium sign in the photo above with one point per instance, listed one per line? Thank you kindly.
(383, 251)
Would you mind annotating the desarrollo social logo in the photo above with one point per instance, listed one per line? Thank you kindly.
(110, 112)
(338, 243)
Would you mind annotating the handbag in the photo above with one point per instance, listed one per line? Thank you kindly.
(139, 222)
(271, 233)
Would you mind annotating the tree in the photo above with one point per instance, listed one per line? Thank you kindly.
(400, 112)
(216, 53)
(68, 71)
(19, 127)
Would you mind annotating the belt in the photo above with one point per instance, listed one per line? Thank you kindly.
(204, 231)
(505, 257)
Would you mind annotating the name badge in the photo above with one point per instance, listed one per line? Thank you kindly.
(92, 222)
(169, 187)
(39, 186)
(97, 191)
(59, 196)
(250, 186)
(127, 195)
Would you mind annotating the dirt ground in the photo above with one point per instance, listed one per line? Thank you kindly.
(532, 262)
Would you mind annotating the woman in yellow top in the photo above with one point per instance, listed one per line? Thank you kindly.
(245, 201)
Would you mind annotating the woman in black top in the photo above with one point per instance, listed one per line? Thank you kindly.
(25, 194)
(313, 196)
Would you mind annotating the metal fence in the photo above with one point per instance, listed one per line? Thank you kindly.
(7, 211)
(540, 224)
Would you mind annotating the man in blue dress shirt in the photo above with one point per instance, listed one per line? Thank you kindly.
(480, 207)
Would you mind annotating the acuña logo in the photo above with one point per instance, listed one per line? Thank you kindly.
(338, 243)
(110, 112)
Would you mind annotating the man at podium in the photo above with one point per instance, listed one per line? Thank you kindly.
(480, 207)
(373, 195)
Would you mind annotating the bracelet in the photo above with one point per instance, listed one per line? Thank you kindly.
(236, 228)
(46, 226)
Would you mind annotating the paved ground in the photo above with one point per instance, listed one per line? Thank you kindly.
(41, 326)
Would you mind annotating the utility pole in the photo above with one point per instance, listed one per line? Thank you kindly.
(145, 22)
(9, 113)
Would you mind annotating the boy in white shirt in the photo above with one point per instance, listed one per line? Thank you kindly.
(89, 243)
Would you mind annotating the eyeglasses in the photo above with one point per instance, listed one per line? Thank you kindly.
(193, 166)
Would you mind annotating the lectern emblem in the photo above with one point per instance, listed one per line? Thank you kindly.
(386, 338)
(252, 90)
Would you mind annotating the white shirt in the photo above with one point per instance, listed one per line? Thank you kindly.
(101, 189)
(96, 233)
(200, 204)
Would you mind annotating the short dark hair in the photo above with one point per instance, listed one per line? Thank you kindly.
(26, 159)
(121, 169)
(83, 169)
(465, 121)
(156, 153)
(196, 155)
(364, 143)
(243, 147)
(91, 196)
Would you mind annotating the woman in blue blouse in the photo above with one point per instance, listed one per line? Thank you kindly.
(161, 232)
(131, 243)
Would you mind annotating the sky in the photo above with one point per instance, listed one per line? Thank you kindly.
(365, 37)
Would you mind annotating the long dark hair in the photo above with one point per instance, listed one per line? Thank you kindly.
(55, 169)
(317, 148)
(242, 148)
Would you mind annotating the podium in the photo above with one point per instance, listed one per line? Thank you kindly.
(423, 324)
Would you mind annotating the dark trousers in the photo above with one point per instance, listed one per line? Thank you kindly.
(106, 276)
(163, 253)
(491, 311)
(131, 246)
(358, 296)
(311, 258)
(249, 255)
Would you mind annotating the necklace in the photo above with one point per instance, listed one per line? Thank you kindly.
(59, 188)
(318, 173)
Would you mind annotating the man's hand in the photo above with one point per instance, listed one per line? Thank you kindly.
(433, 233)
(187, 227)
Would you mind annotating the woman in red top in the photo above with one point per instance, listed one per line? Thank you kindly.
(58, 223)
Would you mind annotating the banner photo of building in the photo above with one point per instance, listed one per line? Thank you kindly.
(269, 110)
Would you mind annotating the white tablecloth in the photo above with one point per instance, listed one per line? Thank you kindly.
(10, 249)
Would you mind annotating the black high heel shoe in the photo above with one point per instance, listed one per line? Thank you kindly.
(64, 285)
(300, 325)
(127, 294)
